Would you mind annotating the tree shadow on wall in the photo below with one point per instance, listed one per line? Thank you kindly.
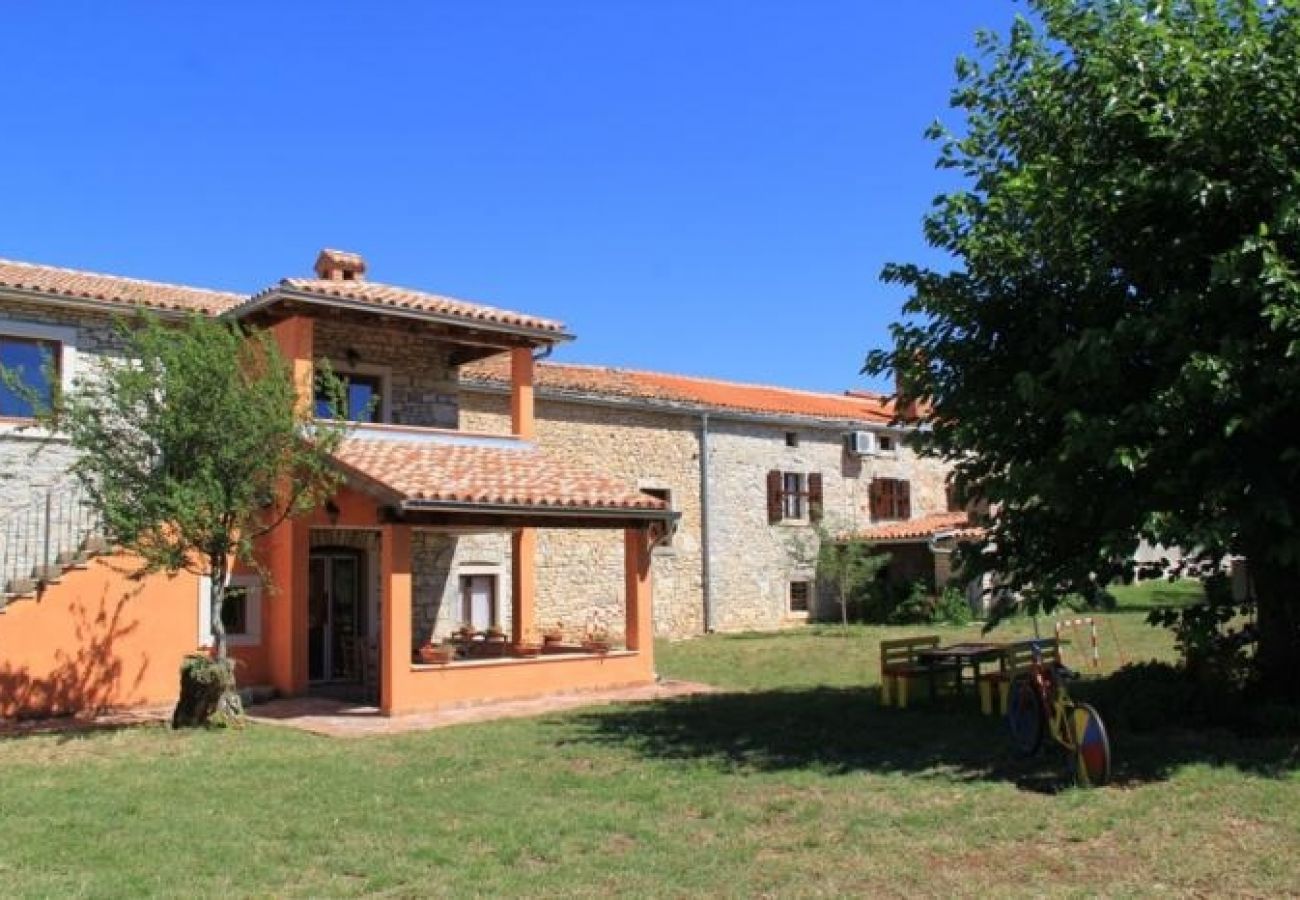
(85, 679)
(841, 731)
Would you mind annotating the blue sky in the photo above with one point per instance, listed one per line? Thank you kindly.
(693, 186)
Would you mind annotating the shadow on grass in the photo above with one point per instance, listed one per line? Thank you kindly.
(845, 730)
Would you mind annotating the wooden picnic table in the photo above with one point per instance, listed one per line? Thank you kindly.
(957, 657)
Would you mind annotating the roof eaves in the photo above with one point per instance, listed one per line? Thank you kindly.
(117, 307)
(268, 296)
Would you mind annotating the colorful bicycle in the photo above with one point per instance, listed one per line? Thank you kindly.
(1038, 703)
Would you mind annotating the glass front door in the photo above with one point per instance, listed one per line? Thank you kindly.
(336, 617)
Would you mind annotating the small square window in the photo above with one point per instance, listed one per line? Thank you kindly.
(885, 443)
(800, 596)
(792, 439)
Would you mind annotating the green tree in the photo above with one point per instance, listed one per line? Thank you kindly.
(1113, 353)
(192, 446)
(848, 566)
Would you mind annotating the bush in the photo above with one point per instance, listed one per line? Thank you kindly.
(918, 606)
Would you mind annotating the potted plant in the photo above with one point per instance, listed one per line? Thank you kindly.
(432, 654)
(495, 633)
(466, 632)
(553, 635)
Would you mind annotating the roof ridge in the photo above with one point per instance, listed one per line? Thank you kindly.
(46, 267)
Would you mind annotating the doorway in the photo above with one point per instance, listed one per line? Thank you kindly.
(337, 629)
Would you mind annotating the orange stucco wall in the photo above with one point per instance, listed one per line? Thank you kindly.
(430, 687)
(97, 639)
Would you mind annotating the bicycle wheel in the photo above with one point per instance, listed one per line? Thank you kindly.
(1091, 756)
(1025, 716)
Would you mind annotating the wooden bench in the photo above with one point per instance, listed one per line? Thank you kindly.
(1017, 659)
(900, 665)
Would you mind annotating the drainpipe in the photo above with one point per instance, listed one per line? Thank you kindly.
(705, 549)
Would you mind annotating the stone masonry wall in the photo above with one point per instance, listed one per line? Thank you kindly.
(579, 570)
(422, 384)
(752, 561)
(29, 463)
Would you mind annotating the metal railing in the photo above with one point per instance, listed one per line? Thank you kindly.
(38, 540)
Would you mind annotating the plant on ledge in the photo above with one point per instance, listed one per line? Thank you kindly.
(192, 446)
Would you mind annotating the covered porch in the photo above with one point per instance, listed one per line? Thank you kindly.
(415, 496)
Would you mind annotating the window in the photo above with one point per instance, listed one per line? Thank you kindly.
(792, 439)
(478, 600)
(666, 496)
(956, 503)
(885, 443)
(234, 610)
(34, 363)
(794, 496)
(891, 498)
(241, 613)
(800, 596)
(362, 393)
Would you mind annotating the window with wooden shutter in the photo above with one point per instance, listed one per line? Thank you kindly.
(891, 498)
(815, 503)
(775, 496)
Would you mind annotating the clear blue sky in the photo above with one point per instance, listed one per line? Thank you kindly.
(693, 186)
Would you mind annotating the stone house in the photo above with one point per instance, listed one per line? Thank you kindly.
(753, 470)
(484, 488)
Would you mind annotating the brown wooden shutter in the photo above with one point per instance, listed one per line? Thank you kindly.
(815, 496)
(874, 494)
(904, 499)
(775, 496)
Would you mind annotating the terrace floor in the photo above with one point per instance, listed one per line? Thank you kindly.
(339, 718)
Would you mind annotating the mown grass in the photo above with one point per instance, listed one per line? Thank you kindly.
(791, 782)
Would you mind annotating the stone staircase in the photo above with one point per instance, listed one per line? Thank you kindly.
(56, 531)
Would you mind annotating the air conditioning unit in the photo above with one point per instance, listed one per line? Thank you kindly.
(862, 443)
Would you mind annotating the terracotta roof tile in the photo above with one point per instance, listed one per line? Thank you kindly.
(925, 527)
(392, 297)
(486, 475)
(689, 390)
(79, 285)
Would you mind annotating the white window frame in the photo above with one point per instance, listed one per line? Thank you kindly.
(800, 497)
(252, 587)
(370, 370)
(63, 335)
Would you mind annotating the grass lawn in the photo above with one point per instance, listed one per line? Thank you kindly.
(793, 782)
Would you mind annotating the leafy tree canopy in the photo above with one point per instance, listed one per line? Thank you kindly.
(1113, 354)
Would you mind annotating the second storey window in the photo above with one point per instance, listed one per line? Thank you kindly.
(34, 365)
(794, 496)
(891, 498)
(363, 398)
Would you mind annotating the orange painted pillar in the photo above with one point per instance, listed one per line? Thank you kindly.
(523, 583)
(288, 546)
(636, 565)
(296, 339)
(522, 420)
(395, 633)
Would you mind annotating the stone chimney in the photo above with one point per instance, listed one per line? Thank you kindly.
(339, 265)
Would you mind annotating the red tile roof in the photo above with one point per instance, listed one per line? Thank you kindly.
(72, 283)
(388, 296)
(493, 473)
(569, 378)
(925, 527)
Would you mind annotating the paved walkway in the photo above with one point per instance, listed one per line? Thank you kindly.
(337, 718)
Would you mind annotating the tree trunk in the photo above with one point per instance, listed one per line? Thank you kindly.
(1277, 595)
(208, 690)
